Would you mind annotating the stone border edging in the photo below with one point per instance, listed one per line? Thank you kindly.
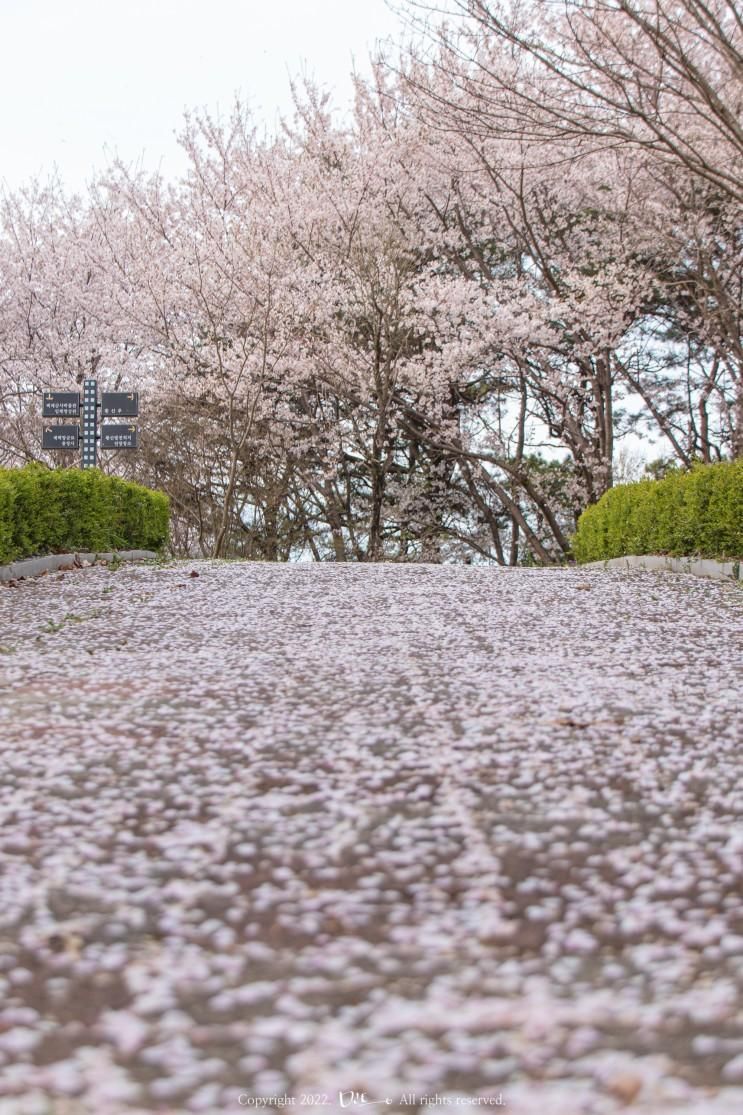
(699, 567)
(36, 566)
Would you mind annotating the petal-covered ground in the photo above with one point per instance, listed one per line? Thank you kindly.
(442, 835)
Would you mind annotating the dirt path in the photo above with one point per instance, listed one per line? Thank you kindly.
(277, 833)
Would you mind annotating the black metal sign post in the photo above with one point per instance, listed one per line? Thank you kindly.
(67, 404)
(90, 423)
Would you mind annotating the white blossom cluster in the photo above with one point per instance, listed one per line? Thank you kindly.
(293, 830)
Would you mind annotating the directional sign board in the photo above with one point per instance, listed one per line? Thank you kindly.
(61, 404)
(116, 404)
(60, 437)
(118, 437)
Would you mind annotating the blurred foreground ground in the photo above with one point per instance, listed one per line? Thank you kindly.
(277, 833)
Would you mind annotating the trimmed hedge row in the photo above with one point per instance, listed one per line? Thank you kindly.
(65, 510)
(699, 512)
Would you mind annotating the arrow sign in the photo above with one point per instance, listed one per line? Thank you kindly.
(60, 437)
(119, 437)
(61, 404)
(122, 404)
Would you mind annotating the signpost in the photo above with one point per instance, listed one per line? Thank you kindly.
(61, 404)
(119, 404)
(118, 437)
(61, 437)
(67, 404)
(90, 423)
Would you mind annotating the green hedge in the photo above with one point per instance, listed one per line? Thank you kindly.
(45, 511)
(699, 512)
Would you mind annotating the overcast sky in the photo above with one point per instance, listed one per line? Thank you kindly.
(83, 79)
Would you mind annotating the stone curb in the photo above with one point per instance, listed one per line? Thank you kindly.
(37, 566)
(699, 567)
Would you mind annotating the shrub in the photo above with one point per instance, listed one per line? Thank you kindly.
(7, 499)
(45, 511)
(699, 512)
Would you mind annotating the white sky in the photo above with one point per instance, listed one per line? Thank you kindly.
(84, 79)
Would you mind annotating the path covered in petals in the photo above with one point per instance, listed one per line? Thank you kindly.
(280, 832)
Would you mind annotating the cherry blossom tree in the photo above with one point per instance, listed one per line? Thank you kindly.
(56, 326)
(659, 83)
(209, 286)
